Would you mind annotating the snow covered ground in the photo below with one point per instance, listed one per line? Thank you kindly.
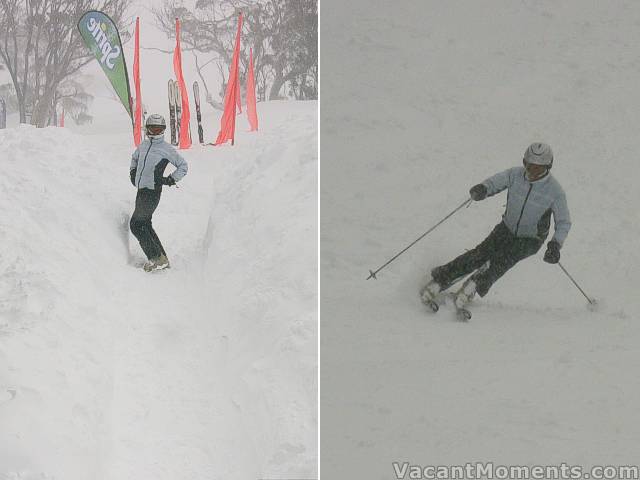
(421, 100)
(204, 371)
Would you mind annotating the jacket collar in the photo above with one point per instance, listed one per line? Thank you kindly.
(536, 182)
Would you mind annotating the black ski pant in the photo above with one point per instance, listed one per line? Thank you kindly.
(491, 259)
(146, 203)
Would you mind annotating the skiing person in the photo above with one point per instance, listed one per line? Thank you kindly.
(148, 163)
(533, 196)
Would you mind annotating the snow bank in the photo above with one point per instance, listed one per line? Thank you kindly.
(203, 371)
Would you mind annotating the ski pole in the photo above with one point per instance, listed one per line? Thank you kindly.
(590, 300)
(373, 274)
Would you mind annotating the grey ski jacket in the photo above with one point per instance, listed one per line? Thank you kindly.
(149, 161)
(530, 204)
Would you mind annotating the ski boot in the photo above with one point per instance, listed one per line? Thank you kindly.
(462, 298)
(159, 263)
(429, 293)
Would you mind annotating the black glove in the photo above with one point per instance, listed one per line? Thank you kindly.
(478, 192)
(132, 175)
(168, 180)
(552, 255)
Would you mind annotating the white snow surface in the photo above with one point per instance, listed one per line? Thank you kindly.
(421, 100)
(204, 371)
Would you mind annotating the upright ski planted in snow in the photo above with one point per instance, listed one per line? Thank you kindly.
(172, 111)
(196, 96)
(176, 86)
(177, 99)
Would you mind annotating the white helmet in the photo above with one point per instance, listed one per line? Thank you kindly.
(155, 126)
(539, 154)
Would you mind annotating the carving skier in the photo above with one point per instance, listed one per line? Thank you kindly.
(533, 196)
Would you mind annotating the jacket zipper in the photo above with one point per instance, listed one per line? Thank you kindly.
(522, 211)
(144, 162)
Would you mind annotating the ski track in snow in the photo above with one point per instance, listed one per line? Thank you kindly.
(206, 370)
(443, 95)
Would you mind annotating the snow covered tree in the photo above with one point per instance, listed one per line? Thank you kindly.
(72, 97)
(295, 48)
(40, 48)
(282, 33)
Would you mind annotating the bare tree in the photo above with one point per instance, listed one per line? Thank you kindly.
(279, 31)
(41, 48)
(294, 47)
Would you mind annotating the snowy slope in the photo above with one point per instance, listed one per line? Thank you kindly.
(421, 100)
(207, 370)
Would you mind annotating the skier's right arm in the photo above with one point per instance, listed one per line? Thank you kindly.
(498, 182)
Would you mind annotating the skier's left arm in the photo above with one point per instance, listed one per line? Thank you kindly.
(181, 166)
(133, 168)
(561, 219)
(562, 222)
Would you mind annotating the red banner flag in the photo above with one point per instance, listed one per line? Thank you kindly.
(185, 134)
(228, 122)
(238, 97)
(137, 122)
(252, 113)
(62, 118)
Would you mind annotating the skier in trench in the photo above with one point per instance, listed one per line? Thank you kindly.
(148, 163)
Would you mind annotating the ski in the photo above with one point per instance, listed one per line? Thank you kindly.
(157, 269)
(434, 301)
(429, 300)
(172, 112)
(462, 314)
(196, 96)
(433, 305)
(462, 298)
(177, 98)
